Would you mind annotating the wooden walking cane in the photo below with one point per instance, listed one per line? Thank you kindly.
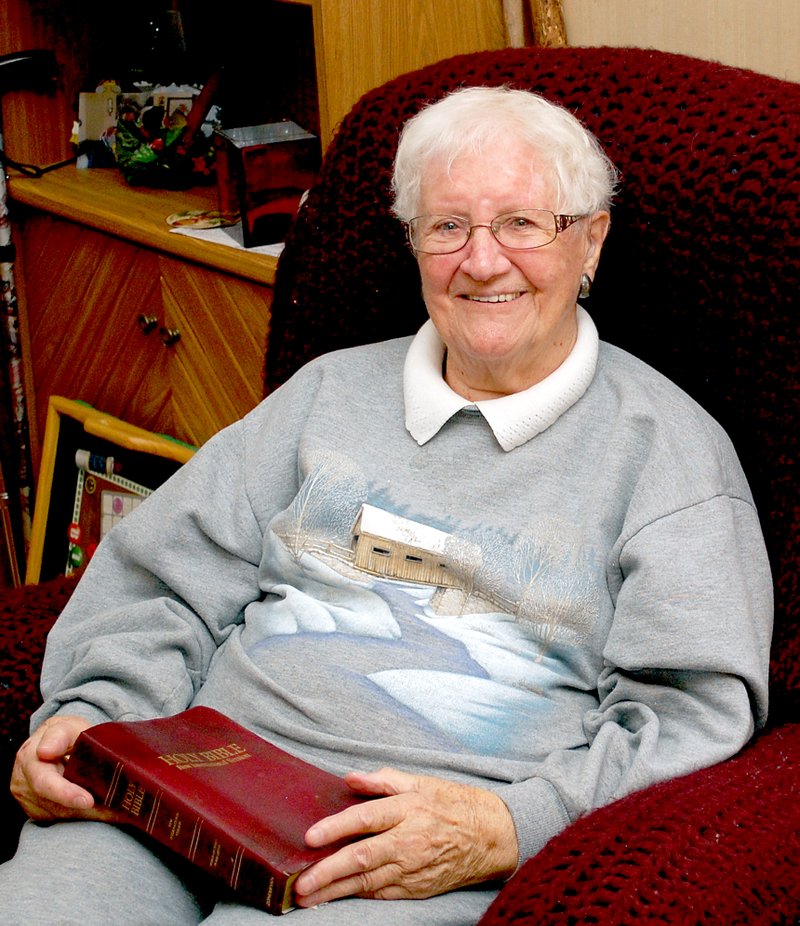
(29, 67)
(546, 23)
(549, 30)
(15, 399)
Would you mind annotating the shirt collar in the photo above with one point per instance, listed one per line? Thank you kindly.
(514, 419)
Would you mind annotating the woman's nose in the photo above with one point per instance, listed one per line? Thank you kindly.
(484, 256)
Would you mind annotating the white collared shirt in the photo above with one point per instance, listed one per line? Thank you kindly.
(514, 419)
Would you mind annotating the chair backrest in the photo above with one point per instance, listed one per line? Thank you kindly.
(700, 275)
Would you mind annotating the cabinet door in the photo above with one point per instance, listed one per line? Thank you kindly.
(167, 345)
(84, 295)
(217, 364)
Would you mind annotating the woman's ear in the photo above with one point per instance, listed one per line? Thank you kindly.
(598, 227)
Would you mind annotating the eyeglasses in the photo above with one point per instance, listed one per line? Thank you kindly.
(522, 230)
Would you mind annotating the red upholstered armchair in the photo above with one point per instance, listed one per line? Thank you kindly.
(700, 278)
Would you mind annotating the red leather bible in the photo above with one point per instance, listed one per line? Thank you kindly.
(219, 795)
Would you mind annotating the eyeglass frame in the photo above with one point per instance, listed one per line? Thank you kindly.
(562, 223)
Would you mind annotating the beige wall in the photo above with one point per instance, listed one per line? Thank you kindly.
(763, 35)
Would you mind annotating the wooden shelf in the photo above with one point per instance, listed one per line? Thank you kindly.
(359, 44)
(101, 199)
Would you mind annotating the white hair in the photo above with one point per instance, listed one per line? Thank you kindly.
(461, 122)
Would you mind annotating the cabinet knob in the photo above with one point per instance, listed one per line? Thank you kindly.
(169, 336)
(147, 323)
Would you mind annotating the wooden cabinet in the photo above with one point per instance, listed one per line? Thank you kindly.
(158, 329)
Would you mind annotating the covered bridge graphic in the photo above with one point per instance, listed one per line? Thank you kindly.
(385, 544)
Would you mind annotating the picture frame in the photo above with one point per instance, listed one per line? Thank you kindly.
(95, 469)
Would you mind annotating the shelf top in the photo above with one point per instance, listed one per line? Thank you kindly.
(101, 199)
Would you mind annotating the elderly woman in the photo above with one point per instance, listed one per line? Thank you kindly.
(499, 573)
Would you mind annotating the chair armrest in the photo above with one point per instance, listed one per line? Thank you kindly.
(721, 845)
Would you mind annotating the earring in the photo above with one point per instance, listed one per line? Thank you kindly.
(586, 286)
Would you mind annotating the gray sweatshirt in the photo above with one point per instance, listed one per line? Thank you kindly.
(562, 597)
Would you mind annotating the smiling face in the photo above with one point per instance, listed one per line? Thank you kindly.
(508, 317)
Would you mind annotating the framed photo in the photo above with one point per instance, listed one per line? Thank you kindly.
(178, 108)
(95, 470)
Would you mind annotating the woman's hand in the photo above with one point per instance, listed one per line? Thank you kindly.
(37, 780)
(425, 836)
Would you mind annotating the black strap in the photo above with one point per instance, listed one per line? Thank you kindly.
(32, 170)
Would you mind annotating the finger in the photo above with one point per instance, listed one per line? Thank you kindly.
(43, 793)
(57, 790)
(376, 884)
(54, 743)
(357, 869)
(62, 806)
(359, 820)
(56, 737)
(386, 781)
